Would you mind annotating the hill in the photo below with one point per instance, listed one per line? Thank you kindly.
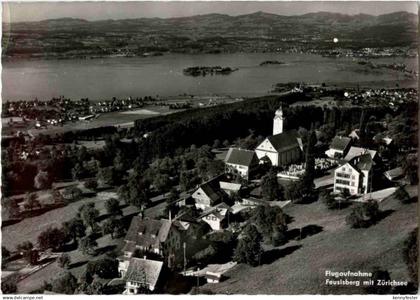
(258, 31)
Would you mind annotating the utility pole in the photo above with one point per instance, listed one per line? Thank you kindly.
(184, 245)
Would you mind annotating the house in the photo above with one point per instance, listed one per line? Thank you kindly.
(242, 162)
(160, 237)
(140, 274)
(216, 216)
(230, 188)
(339, 147)
(281, 148)
(394, 174)
(355, 135)
(355, 176)
(208, 194)
(357, 151)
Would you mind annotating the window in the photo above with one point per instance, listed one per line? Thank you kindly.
(352, 183)
(340, 181)
(353, 177)
(343, 169)
(343, 175)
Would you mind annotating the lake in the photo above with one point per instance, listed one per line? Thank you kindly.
(162, 75)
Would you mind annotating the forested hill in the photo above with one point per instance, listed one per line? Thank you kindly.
(259, 31)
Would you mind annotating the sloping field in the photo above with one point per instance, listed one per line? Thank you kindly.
(299, 266)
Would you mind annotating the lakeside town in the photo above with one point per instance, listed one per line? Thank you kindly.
(298, 177)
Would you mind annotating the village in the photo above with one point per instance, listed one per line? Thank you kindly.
(192, 218)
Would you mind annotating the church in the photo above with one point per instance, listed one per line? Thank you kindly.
(283, 147)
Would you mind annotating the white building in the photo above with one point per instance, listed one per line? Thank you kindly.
(281, 148)
(278, 122)
(216, 216)
(354, 176)
(242, 162)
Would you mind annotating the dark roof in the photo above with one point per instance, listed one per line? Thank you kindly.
(212, 189)
(148, 232)
(144, 271)
(241, 157)
(340, 143)
(287, 139)
(364, 162)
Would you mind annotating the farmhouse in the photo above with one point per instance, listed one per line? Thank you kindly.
(160, 237)
(241, 162)
(339, 147)
(208, 194)
(216, 216)
(140, 274)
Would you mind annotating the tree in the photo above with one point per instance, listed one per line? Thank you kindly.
(31, 201)
(42, 180)
(64, 284)
(249, 248)
(53, 238)
(5, 254)
(88, 214)
(91, 184)
(271, 222)
(75, 228)
(113, 207)
(88, 244)
(109, 227)
(105, 268)
(328, 200)
(31, 256)
(8, 286)
(402, 195)
(363, 215)
(410, 254)
(28, 252)
(309, 175)
(270, 188)
(161, 182)
(64, 261)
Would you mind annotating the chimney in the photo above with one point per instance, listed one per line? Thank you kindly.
(170, 216)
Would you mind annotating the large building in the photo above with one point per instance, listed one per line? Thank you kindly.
(281, 148)
(146, 235)
(242, 162)
(354, 176)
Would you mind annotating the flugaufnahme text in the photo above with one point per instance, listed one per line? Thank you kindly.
(330, 273)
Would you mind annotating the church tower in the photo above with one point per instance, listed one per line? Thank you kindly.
(278, 122)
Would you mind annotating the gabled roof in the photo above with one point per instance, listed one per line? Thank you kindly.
(364, 162)
(218, 210)
(241, 157)
(357, 151)
(144, 271)
(287, 139)
(212, 189)
(148, 232)
(340, 143)
(230, 186)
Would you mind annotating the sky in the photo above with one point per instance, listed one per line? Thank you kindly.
(35, 11)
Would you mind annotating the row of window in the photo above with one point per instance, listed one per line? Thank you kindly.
(346, 182)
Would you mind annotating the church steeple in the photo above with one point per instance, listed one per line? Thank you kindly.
(278, 121)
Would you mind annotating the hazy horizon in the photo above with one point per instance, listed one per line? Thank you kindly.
(93, 11)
